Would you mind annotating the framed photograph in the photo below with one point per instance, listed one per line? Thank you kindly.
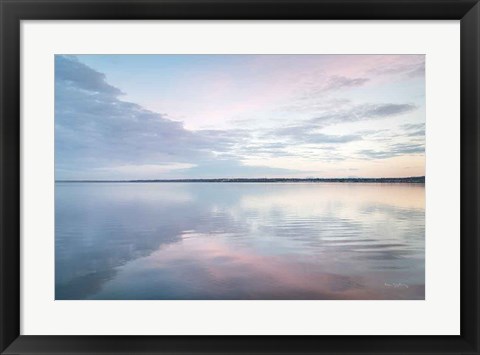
(239, 177)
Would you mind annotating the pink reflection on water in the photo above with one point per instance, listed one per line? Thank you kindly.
(210, 268)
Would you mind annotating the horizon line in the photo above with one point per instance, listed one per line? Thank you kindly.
(276, 179)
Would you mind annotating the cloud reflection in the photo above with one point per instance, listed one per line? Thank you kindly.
(239, 241)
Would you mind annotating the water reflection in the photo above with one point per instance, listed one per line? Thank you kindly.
(239, 241)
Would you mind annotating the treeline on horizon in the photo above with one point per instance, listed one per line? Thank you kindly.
(412, 179)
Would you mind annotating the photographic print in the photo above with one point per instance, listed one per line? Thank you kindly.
(240, 177)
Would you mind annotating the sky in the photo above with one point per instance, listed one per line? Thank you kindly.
(121, 117)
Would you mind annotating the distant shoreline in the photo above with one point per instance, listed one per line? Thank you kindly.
(409, 180)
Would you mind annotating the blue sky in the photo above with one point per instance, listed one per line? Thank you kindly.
(203, 116)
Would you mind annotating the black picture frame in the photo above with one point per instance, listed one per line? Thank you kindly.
(14, 11)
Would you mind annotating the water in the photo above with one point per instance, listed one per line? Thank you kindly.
(222, 241)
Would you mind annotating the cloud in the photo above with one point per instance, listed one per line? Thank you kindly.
(323, 87)
(279, 149)
(231, 168)
(419, 71)
(94, 129)
(100, 135)
(393, 151)
(70, 71)
(407, 66)
(340, 82)
(414, 130)
(364, 112)
(305, 134)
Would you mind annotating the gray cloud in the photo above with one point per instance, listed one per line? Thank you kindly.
(94, 128)
(413, 126)
(364, 112)
(266, 149)
(414, 130)
(411, 70)
(419, 71)
(304, 134)
(334, 83)
(70, 71)
(307, 132)
(340, 82)
(393, 151)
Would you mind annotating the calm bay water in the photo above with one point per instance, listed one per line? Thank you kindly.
(239, 241)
